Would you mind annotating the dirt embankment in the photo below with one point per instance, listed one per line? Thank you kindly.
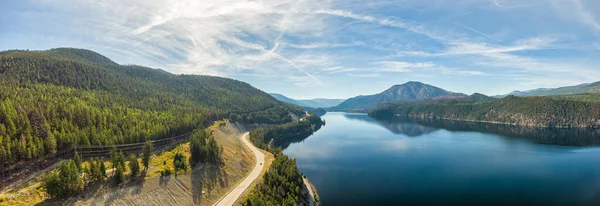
(203, 186)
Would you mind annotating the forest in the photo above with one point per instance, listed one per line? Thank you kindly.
(282, 184)
(265, 137)
(56, 99)
(553, 111)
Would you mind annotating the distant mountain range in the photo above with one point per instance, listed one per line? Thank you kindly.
(577, 89)
(313, 103)
(408, 91)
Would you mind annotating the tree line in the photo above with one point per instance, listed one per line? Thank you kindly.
(282, 184)
(261, 137)
(555, 112)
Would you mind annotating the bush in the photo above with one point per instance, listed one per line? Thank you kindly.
(165, 172)
(179, 162)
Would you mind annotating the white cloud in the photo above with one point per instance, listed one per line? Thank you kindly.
(399, 66)
(324, 45)
(302, 42)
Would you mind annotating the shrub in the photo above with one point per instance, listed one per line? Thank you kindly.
(179, 162)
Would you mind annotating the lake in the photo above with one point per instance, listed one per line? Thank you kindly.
(356, 160)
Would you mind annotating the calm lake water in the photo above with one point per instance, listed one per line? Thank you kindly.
(355, 160)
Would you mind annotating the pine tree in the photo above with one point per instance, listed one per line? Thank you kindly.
(134, 165)
(146, 154)
(119, 176)
(77, 160)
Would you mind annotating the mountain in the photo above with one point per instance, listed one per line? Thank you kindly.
(325, 103)
(312, 103)
(408, 91)
(577, 89)
(55, 99)
(283, 98)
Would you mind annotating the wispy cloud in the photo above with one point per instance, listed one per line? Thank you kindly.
(398, 66)
(311, 43)
(587, 17)
(478, 32)
(495, 2)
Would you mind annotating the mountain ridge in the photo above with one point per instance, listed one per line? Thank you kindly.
(411, 90)
(593, 88)
(312, 103)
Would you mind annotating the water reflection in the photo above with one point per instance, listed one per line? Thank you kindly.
(356, 160)
(286, 142)
(415, 127)
(551, 136)
(410, 129)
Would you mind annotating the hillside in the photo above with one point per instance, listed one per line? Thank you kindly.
(54, 99)
(552, 112)
(407, 91)
(205, 184)
(592, 88)
(312, 103)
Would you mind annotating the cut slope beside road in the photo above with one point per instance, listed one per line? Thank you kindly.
(237, 192)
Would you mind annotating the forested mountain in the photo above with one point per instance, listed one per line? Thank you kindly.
(312, 103)
(58, 98)
(556, 112)
(592, 88)
(325, 103)
(407, 91)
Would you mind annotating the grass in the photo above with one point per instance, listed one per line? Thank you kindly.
(29, 192)
(164, 160)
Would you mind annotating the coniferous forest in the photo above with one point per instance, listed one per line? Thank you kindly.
(282, 183)
(577, 111)
(60, 98)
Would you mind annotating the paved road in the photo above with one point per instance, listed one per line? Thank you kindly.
(237, 192)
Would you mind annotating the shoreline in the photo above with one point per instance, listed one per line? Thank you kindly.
(312, 190)
(491, 122)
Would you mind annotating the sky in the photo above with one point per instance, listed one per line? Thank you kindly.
(328, 48)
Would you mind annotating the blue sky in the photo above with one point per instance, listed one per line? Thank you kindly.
(335, 49)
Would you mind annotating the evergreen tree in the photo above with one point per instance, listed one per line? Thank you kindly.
(146, 154)
(119, 176)
(77, 160)
(66, 182)
(102, 168)
(134, 165)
